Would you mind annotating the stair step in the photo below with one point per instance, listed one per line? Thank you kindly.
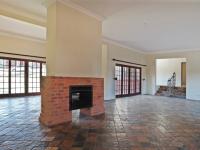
(179, 92)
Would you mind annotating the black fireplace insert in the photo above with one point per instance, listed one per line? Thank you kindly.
(80, 96)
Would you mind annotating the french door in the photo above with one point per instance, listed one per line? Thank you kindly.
(20, 77)
(17, 77)
(127, 80)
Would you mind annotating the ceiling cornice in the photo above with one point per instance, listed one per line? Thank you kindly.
(173, 51)
(23, 37)
(47, 3)
(21, 14)
(104, 39)
(73, 5)
(81, 9)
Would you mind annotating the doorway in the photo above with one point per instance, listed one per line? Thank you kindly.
(127, 80)
(171, 77)
(183, 74)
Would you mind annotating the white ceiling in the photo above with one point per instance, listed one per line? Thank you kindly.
(107, 8)
(147, 25)
(156, 27)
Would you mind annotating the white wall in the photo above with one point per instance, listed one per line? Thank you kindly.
(12, 44)
(74, 43)
(117, 52)
(165, 69)
(193, 72)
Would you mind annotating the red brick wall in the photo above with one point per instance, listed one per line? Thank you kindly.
(55, 98)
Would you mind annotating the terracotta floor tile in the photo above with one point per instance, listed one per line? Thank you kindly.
(134, 123)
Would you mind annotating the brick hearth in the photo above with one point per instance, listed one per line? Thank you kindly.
(55, 98)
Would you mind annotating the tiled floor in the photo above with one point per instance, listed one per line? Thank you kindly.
(135, 123)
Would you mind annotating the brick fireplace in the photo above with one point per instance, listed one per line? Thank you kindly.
(55, 104)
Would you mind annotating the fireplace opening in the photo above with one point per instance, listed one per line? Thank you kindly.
(80, 97)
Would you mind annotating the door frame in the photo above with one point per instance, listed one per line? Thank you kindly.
(129, 94)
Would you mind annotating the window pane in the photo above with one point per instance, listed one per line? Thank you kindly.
(34, 79)
(34, 90)
(5, 85)
(1, 73)
(38, 89)
(12, 90)
(22, 90)
(5, 72)
(18, 85)
(22, 79)
(6, 91)
(5, 79)
(1, 63)
(34, 85)
(1, 91)
(22, 85)
(17, 90)
(30, 90)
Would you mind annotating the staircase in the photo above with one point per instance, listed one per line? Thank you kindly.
(170, 90)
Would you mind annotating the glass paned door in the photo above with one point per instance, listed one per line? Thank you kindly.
(34, 71)
(17, 77)
(20, 77)
(118, 81)
(127, 80)
(44, 69)
(4, 76)
(132, 81)
(138, 80)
